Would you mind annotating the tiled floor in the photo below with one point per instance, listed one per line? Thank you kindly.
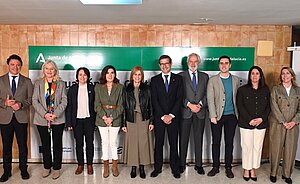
(189, 176)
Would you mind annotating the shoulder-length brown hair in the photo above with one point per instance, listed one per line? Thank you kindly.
(134, 70)
(294, 83)
(105, 71)
(261, 82)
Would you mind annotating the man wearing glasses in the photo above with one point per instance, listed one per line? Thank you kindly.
(166, 94)
(221, 93)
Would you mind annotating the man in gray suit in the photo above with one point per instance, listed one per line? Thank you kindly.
(15, 100)
(221, 93)
(193, 112)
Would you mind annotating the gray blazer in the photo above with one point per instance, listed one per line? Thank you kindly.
(23, 94)
(39, 103)
(190, 96)
(216, 96)
(285, 108)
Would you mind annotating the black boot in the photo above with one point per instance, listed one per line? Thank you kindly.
(133, 172)
(142, 172)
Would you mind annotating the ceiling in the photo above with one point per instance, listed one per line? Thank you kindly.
(277, 12)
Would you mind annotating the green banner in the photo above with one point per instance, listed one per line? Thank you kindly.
(124, 58)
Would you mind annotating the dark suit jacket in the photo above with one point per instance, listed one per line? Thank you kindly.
(166, 103)
(190, 96)
(71, 111)
(23, 94)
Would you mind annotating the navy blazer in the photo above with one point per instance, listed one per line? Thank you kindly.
(71, 111)
(166, 103)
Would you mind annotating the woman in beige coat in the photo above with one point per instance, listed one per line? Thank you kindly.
(50, 101)
(284, 120)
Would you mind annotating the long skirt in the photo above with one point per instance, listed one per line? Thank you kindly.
(138, 143)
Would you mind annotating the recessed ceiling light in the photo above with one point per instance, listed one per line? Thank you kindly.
(111, 2)
(203, 21)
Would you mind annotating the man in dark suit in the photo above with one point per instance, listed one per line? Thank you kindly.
(15, 100)
(193, 112)
(167, 94)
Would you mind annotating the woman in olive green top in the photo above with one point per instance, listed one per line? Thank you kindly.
(109, 109)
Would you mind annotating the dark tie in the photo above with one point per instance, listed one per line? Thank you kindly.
(13, 85)
(167, 83)
(194, 82)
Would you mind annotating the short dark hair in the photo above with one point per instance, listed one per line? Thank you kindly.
(225, 57)
(14, 56)
(104, 72)
(86, 71)
(164, 57)
(261, 82)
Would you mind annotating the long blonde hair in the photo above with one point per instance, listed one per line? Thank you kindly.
(294, 83)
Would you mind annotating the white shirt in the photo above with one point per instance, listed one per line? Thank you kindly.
(83, 102)
(16, 79)
(164, 78)
(288, 90)
(191, 75)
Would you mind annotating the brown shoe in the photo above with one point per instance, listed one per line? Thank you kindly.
(106, 168)
(55, 174)
(90, 170)
(79, 169)
(115, 168)
(46, 173)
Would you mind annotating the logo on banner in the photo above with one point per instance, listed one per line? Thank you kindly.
(40, 58)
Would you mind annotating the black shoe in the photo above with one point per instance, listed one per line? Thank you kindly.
(199, 170)
(133, 172)
(246, 178)
(229, 173)
(142, 172)
(181, 169)
(176, 175)
(287, 180)
(253, 178)
(25, 175)
(273, 179)
(155, 173)
(5, 177)
(213, 171)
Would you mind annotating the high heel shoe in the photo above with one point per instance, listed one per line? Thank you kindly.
(253, 178)
(246, 178)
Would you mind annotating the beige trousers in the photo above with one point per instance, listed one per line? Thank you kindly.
(252, 143)
(283, 144)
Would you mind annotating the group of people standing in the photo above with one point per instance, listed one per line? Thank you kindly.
(173, 103)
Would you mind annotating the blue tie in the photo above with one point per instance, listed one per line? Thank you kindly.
(194, 82)
(13, 85)
(167, 83)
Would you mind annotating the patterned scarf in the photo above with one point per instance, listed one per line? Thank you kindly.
(51, 96)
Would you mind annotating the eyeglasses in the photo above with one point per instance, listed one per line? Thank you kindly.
(164, 64)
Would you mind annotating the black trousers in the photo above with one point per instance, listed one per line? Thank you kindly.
(229, 122)
(57, 132)
(84, 129)
(185, 130)
(7, 133)
(172, 131)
